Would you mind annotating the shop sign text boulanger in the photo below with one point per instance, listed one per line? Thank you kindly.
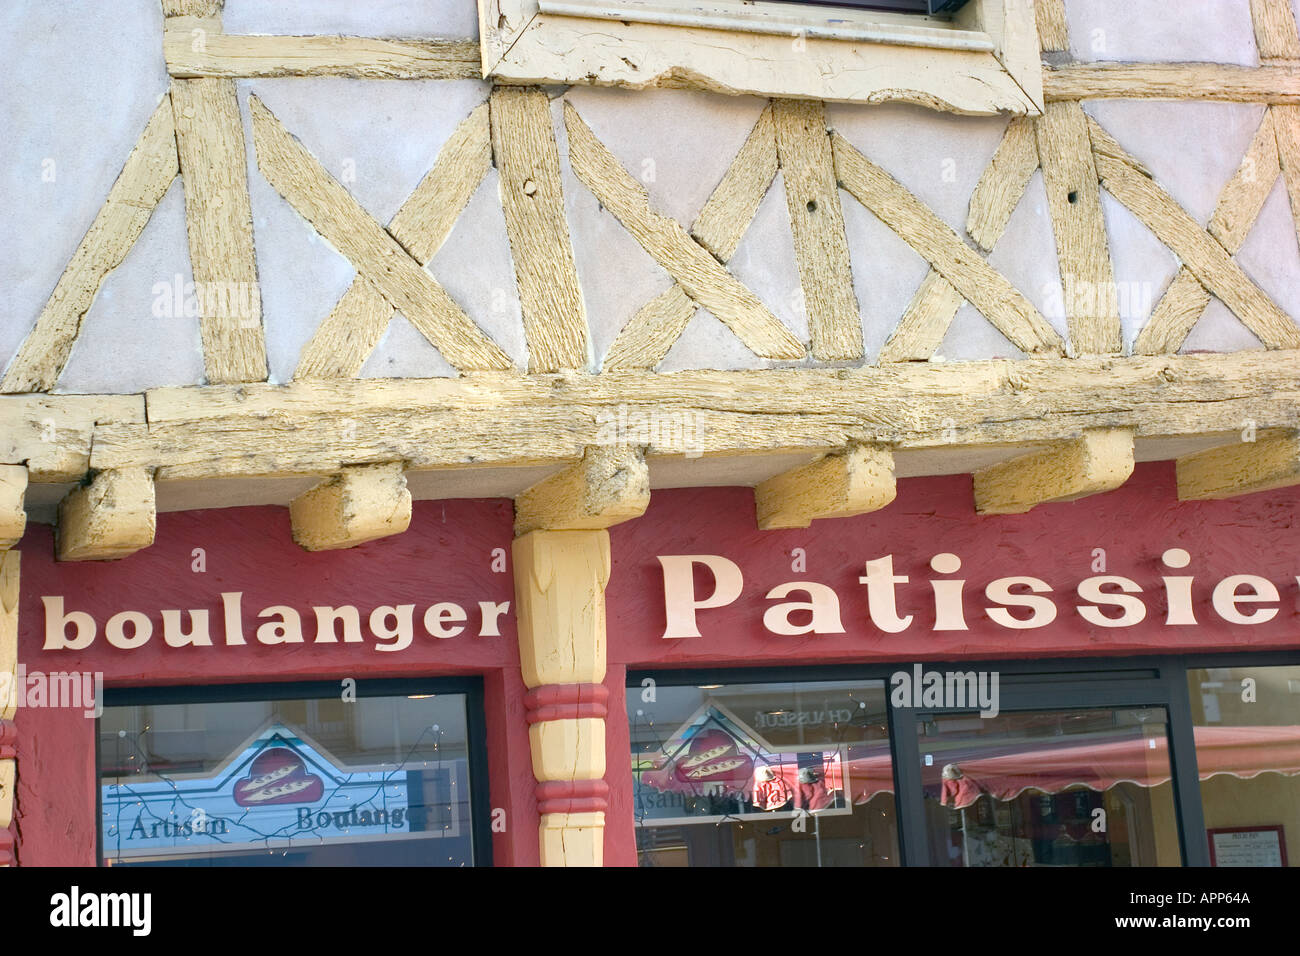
(388, 627)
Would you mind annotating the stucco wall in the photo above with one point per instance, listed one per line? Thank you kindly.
(84, 78)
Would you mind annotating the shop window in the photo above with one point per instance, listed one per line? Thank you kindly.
(302, 778)
(763, 774)
(1247, 730)
(1049, 788)
(978, 56)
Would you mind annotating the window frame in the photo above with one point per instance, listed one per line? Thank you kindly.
(1103, 683)
(475, 729)
(984, 60)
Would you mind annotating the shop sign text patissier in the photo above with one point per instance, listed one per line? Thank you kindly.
(390, 627)
(1019, 602)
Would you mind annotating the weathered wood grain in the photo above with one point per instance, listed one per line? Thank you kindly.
(1083, 252)
(821, 246)
(353, 329)
(973, 278)
(230, 56)
(1186, 300)
(555, 321)
(702, 276)
(1173, 81)
(219, 222)
(646, 338)
(377, 256)
(1199, 252)
(488, 418)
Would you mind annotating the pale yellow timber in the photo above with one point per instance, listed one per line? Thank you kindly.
(1241, 469)
(357, 505)
(611, 484)
(1099, 460)
(13, 519)
(856, 481)
(112, 516)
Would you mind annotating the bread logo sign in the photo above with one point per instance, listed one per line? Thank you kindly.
(713, 757)
(278, 776)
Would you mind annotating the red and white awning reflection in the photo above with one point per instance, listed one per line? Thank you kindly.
(1243, 752)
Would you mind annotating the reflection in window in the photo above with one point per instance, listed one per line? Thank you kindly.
(1078, 788)
(377, 781)
(781, 774)
(1247, 727)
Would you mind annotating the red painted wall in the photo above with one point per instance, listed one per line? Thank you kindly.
(1134, 524)
(445, 556)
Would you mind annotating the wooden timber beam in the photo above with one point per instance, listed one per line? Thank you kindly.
(13, 519)
(51, 433)
(1173, 81)
(1099, 460)
(1241, 469)
(357, 505)
(498, 418)
(230, 57)
(610, 485)
(853, 482)
(112, 516)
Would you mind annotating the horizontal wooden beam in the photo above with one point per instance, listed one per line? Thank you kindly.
(854, 482)
(357, 505)
(231, 56)
(13, 519)
(610, 485)
(1241, 469)
(1173, 81)
(308, 428)
(51, 434)
(1099, 460)
(112, 516)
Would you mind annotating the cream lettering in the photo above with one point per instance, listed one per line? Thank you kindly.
(389, 628)
(823, 606)
(1226, 599)
(1016, 602)
(881, 603)
(680, 603)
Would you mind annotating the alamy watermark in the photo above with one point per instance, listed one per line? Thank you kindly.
(82, 690)
(665, 430)
(214, 299)
(947, 689)
(1083, 298)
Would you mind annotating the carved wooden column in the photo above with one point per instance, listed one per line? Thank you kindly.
(561, 556)
(560, 579)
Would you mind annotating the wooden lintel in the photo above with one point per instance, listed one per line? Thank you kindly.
(1099, 460)
(853, 482)
(507, 419)
(1241, 469)
(357, 505)
(112, 516)
(610, 485)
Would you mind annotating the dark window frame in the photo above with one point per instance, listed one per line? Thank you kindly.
(1098, 683)
(475, 729)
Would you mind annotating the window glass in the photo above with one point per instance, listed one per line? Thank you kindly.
(321, 782)
(1057, 788)
(775, 774)
(1247, 727)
